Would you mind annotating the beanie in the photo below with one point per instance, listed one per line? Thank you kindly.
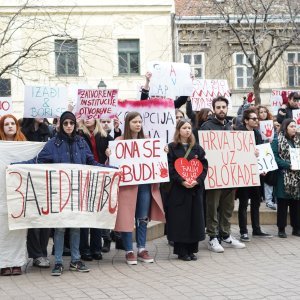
(66, 115)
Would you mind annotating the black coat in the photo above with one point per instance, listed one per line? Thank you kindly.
(185, 206)
(41, 135)
(213, 123)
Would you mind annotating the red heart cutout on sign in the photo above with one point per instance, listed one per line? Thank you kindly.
(188, 170)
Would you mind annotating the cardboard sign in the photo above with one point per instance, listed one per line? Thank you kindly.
(96, 104)
(296, 117)
(205, 90)
(170, 79)
(141, 160)
(188, 170)
(44, 101)
(61, 195)
(266, 160)
(295, 158)
(266, 129)
(276, 99)
(231, 159)
(158, 117)
(5, 106)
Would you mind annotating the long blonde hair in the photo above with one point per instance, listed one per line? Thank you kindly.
(98, 129)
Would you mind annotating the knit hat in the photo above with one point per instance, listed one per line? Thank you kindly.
(67, 115)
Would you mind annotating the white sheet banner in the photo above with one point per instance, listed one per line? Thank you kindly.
(94, 104)
(44, 101)
(170, 79)
(231, 159)
(6, 106)
(295, 158)
(142, 160)
(266, 160)
(158, 117)
(205, 90)
(61, 195)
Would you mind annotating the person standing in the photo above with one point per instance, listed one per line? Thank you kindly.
(292, 104)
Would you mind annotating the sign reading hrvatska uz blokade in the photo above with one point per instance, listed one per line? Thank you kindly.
(158, 117)
(141, 160)
(231, 159)
(61, 195)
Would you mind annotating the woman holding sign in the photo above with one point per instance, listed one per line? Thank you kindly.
(13, 242)
(188, 169)
(287, 189)
(140, 202)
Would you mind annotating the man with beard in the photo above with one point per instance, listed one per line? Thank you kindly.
(219, 202)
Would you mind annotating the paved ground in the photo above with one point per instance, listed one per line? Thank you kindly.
(266, 269)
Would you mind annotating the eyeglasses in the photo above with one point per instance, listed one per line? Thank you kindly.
(106, 122)
(66, 123)
(254, 119)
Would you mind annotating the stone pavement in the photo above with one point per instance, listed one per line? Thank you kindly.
(266, 269)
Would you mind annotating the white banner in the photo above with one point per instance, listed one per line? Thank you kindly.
(205, 90)
(231, 159)
(266, 160)
(170, 79)
(142, 160)
(94, 104)
(158, 117)
(6, 106)
(44, 101)
(61, 195)
(266, 129)
(295, 158)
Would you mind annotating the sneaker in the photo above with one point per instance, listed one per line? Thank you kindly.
(215, 246)
(271, 205)
(131, 258)
(57, 270)
(78, 266)
(232, 242)
(41, 262)
(261, 234)
(245, 237)
(145, 257)
(282, 234)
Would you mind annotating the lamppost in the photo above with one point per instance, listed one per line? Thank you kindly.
(102, 84)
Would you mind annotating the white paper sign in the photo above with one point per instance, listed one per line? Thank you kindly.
(158, 117)
(276, 99)
(205, 90)
(266, 160)
(45, 101)
(5, 106)
(296, 117)
(142, 160)
(61, 195)
(266, 129)
(231, 159)
(170, 79)
(295, 158)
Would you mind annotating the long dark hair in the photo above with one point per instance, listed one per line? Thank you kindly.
(284, 126)
(127, 132)
(177, 140)
(201, 116)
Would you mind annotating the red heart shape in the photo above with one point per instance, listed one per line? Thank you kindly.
(188, 170)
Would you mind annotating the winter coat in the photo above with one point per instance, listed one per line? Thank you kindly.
(214, 124)
(41, 135)
(185, 206)
(127, 203)
(288, 115)
(257, 135)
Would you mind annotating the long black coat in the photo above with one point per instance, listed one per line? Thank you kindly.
(185, 206)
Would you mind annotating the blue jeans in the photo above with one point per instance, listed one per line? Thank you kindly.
(141, 218)
(59, 244)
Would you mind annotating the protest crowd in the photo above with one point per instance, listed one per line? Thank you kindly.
(171, 179)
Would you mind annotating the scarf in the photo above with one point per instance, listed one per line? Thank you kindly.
(291, 178)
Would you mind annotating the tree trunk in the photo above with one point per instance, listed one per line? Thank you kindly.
(256, 91)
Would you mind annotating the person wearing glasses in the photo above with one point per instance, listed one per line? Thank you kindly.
(250, 123)
(287, 112)
(66, 147)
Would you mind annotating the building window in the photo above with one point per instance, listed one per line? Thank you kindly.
(243, 71)
(129, 57)
(293, 59)
(5, 87)
(195, 60)
(66, 57)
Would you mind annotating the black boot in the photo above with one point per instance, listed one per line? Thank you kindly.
(106, 246)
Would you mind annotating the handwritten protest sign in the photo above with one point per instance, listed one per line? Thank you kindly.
(231, 159)
(142, 160)
(277, 97)
(266, 129)
(170, 79)
(44, 101)
(158, 117)
(266, 160)
(94, 104)
(295, 158)
(205, 90)
(188, 170)
(61, 195)
(296, 117)
(5, 106)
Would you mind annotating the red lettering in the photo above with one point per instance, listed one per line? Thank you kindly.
(22, 195)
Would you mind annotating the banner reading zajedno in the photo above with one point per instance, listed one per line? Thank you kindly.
(61, 195)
